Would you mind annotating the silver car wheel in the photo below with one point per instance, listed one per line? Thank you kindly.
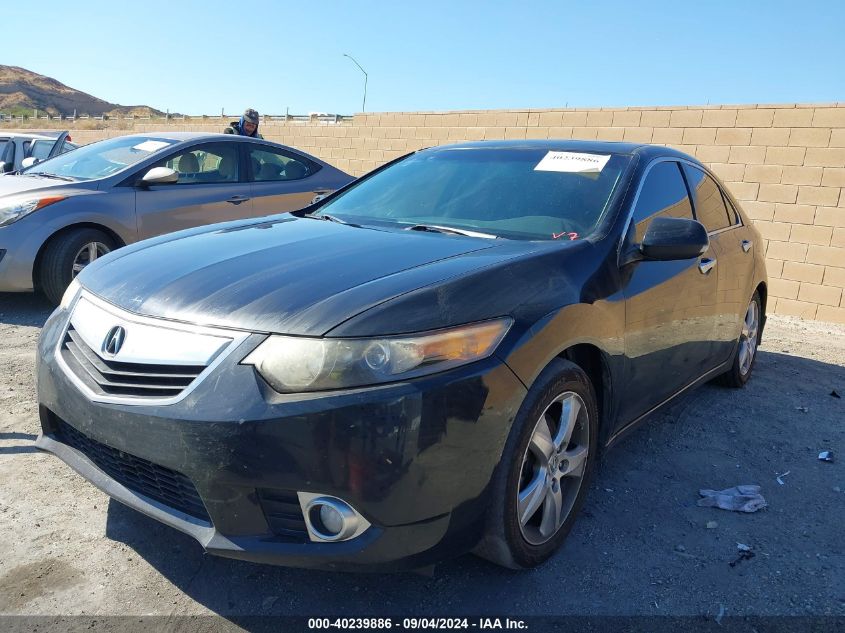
(748, 338)
(553, 468)
(87, 254)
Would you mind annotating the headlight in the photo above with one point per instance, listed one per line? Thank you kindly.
(14, 212)
(294, 364)
(70, 294)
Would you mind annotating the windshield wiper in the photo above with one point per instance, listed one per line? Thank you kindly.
(434, 228)
(330, 218)
(48, 175)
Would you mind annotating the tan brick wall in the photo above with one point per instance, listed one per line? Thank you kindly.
(785, 163)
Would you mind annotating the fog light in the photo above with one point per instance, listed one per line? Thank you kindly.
(330, 519)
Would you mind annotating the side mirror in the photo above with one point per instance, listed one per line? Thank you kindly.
(5, 167)
(159, 176)
(674, 238)
(29, 162)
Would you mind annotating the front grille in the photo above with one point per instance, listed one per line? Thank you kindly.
(166, 486)
(125, 379)
(283, 514)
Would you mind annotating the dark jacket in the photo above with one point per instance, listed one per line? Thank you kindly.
(235, 128)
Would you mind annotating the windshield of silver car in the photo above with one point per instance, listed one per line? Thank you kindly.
(101, 159)
(514, 193)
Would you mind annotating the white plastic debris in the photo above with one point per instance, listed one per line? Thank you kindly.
(826, 456)
(780, 481)
(744, 498)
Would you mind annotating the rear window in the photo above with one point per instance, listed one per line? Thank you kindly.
(533, 194)
(709, 205)
(40, 149)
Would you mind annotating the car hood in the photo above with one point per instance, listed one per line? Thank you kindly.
(11, 185)
(292, 275)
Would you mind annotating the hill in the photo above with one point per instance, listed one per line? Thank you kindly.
(22, 91)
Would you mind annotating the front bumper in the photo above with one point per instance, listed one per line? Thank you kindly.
(18, 250)
(414, 459)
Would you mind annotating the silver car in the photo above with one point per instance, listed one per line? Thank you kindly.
(21, 150)
(63, 213)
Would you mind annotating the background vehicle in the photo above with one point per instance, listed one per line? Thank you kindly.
(424, 363)
(62, 214)
(16, 148)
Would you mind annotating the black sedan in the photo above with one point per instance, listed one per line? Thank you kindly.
(425, 363)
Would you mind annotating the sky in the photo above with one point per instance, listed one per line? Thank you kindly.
(275, 56)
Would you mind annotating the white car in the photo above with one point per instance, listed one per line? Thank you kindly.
(18, 151)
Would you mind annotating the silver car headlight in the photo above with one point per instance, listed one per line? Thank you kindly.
(294, 364)
(13, 212)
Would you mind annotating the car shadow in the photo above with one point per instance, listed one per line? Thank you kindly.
(677, 442)
(24, 308)
(253, 589)
(17, 449)
(676, 451)
(14, 435)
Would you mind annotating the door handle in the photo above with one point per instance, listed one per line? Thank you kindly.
(746, 245)
(237, 199)
(706, 265)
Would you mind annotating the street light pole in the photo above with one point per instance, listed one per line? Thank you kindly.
(364, 105)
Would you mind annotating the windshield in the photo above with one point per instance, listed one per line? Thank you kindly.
(101, 159)
(533, 194)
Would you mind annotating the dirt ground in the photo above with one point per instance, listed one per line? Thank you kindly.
(642, 546)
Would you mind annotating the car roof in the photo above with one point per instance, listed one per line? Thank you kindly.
(190, 136)
(32, 135)
(572, 145)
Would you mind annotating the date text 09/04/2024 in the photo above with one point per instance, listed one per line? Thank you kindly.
(417, 623)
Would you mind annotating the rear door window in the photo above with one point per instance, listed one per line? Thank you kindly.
(709, 205)
(40, 149)
(271, 165)
(7, 150)
(663, 194)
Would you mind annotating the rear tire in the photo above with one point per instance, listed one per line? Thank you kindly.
(65, 256)
(535, 498)
(746, 349)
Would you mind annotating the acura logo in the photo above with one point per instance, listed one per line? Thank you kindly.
(114, 340)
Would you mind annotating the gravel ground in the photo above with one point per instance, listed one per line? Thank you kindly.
(642, 546)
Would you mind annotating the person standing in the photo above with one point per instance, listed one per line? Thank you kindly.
(247, 126)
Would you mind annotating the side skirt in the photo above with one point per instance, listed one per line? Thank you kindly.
(719, 369)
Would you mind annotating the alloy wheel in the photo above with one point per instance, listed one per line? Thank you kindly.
(748, 338)
(87, 254)
(553, 468)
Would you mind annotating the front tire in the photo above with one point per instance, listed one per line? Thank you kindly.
(746, 350)
(66, 255)
(543, 478)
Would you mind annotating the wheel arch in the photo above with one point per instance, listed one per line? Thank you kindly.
(36, 268)
(763, 290)
(594, 362)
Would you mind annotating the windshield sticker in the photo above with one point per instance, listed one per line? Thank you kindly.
(573, 162)
(557, 236)
(150, 146)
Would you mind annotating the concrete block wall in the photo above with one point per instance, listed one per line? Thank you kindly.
(785, 163)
